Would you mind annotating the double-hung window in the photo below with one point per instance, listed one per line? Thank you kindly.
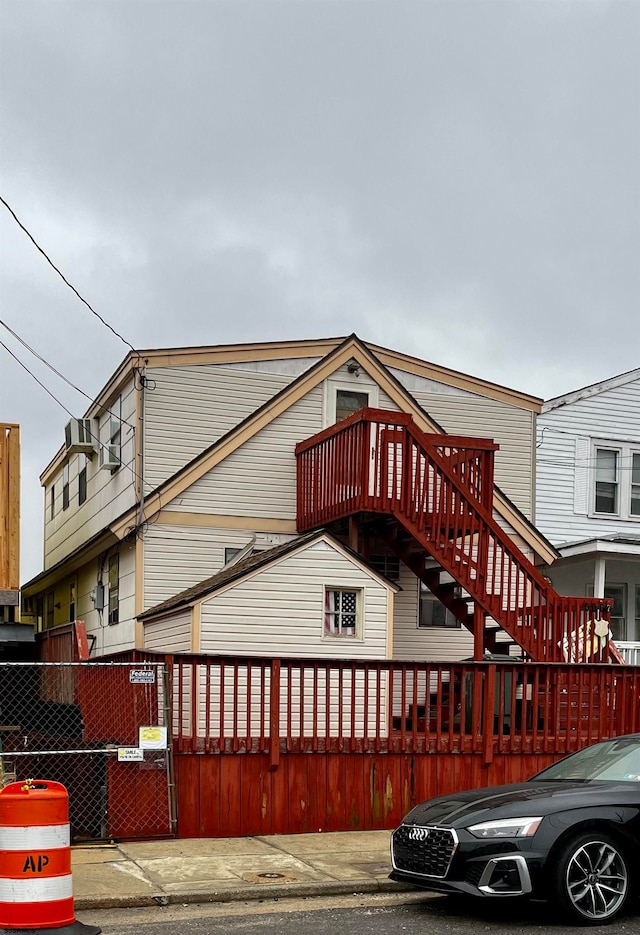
(65, 486)
(616, 488)
(342, 612)
(114, 587)
(82, 480)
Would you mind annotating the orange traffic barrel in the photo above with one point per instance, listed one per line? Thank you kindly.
(36, 891)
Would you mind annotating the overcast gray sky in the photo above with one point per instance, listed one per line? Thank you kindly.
(458, 180)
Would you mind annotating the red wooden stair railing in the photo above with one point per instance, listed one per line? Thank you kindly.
(439, 490)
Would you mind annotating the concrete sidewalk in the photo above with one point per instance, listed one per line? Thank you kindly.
(195, 870)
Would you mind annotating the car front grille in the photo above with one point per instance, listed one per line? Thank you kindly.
(425, 851)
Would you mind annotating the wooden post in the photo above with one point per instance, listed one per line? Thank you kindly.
(489, 714)
(478, 632)
(274, 717)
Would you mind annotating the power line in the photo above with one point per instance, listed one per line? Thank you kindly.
(53, 369)
(64, 279)
(68, 411)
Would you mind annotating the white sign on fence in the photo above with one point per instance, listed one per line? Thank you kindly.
(152, 738)
(130, 755)
(142, 676)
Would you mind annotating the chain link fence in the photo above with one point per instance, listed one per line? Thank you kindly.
(101, 729)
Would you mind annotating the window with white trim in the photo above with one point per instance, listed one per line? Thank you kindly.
(343, 397)
(342, 613)
(65, 486)
(616, 481)
(432, 613)
(82, 479)
(114, 588)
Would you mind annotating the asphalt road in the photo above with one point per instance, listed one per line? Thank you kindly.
(354, 915)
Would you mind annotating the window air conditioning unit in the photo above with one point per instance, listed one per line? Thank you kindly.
(79, 437)
(109, 457)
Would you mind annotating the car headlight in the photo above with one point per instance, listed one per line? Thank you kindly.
(506, 828)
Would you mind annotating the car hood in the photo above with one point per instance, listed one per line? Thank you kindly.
(519, 800)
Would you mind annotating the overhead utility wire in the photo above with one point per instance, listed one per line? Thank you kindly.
(53, 369)
(62, 405)
(64, 279)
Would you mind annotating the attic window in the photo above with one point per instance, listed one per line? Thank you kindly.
(348, 402)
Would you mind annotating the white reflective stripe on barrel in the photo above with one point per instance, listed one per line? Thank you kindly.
(34, 837)
(36, 890)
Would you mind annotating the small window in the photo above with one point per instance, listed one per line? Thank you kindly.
(52, 501)
(637, 633)
(113, 448)
(65, 487)
(82, 483)
(342, 613)
(230, 553)
(387, 565)
(606, 481)
(432, 613)
(114, 585)
(348, 402)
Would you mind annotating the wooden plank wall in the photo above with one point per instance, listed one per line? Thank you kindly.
(9, 508)
(230, 795)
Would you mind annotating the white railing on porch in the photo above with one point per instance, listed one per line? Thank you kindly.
(630, 651)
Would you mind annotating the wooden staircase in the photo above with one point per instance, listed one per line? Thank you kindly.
(435, 493)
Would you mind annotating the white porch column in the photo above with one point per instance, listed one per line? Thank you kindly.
(599, 577)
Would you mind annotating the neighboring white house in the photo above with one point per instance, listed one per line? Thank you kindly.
(185, 463)
(588, 497)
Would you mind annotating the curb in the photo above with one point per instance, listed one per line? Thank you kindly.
(248, 893)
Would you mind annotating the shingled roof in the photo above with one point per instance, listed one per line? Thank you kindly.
(240, 569)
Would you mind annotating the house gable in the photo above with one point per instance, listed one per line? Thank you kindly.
(351, 351)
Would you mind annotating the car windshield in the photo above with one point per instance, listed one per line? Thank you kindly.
(612, 760)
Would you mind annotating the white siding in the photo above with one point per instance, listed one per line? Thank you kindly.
(259, 478)
(170, 635)
(189, 408)
(417, 644)
(178, 557)
(567, 436)
(108, 495)
(462, 413)
(280, 611)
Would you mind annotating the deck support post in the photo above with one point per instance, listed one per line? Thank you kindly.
(478, 633)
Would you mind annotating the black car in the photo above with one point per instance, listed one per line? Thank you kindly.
(570, 834)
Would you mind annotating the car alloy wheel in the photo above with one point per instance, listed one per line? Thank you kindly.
(594, 879)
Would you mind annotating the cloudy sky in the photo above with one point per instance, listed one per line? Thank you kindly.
(458, 180)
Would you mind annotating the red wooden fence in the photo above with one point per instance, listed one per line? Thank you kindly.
(286, 745)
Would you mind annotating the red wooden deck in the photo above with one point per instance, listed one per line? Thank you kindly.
(435, 496)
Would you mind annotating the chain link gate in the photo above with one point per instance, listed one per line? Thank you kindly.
(101, 729)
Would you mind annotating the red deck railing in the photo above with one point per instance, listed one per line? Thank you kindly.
(243, 704)
(440, 489)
